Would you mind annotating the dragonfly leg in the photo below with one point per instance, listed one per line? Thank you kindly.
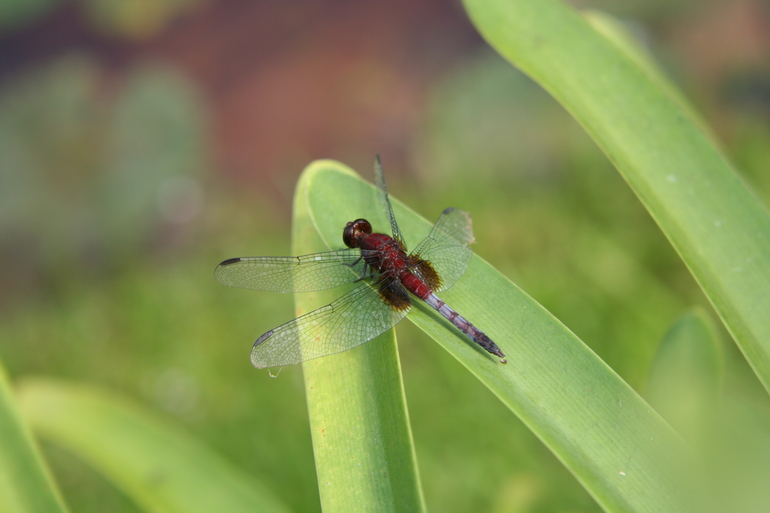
(355, 263)
(368, 272)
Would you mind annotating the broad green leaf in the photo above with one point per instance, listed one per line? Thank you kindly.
(617, 34)
(360, 427)
(686, 376)
(25, 484)
(161, 467)
(624, 454)
(719, 228)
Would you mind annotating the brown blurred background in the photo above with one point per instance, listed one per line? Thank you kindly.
(287, 82)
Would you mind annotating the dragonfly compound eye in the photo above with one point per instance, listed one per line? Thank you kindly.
(355, 232)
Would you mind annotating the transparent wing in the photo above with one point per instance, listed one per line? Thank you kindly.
(379, 177)
(358, 316)
(446, 247)
(316, 271)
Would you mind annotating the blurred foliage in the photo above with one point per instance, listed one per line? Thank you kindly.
(726, 421)
(135, 19)
(131, 19)
(92, 176)
(15, 14)
(110, 230)
(685, 384)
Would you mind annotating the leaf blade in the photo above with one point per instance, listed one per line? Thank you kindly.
(159, 465)
(564, 393)
(685, 381)
(362, 441)
(25, 484)
(718, 227)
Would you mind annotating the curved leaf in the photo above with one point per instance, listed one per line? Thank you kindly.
(25, 485)
(157, 464)
(719, 228)
(686, 376)
(614, 443)
(361, 437)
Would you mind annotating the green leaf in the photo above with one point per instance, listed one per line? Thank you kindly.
(25, 485)
(361, 437)
(156, 463)
(686, 376)
(618, 35)
(624, 454)
(719, 228)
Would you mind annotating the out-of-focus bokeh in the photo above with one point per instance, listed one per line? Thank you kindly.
(144, 141)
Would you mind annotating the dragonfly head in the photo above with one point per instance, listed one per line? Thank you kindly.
(355, 232)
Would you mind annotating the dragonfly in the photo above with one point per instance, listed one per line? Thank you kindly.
(388, 280)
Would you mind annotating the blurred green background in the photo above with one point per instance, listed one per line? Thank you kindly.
(142, 142)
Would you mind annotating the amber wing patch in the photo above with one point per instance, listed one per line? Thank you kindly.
(393, 293)
(426, 272)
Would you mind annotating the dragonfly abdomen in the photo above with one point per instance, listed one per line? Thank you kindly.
(465, 326)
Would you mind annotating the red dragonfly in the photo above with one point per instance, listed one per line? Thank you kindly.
(388, 274)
